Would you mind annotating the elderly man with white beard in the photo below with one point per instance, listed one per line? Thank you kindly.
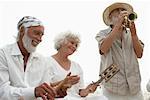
(24, 75)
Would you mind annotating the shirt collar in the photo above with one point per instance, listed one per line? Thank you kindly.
(16, 51)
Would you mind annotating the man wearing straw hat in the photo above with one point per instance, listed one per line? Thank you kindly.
(120, 45)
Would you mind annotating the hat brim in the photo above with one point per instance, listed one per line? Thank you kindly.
(112, 7)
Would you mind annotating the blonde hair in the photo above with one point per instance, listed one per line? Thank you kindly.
(65, 36)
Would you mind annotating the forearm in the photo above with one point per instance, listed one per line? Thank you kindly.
(108, 41)
(137, 46)
(9, 93)
(55, 83)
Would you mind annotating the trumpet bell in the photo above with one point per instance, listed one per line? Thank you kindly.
(132, 16)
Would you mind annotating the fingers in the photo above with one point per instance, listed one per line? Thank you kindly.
(49, 97)
(132, 24)
(62, 93)
(39, 91)
(43, 97)
(45, 91)
(92, 87)
(42, 94)
(49, 89)
(83, 92)
(132, 28)
(122, 17)
(69, 74)
(72, 76)
(66, 86)
(124, 13)
(73, 79)
(50, 93)
(67, 77)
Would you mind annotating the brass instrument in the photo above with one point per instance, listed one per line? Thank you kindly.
(128, 19)
(132, 16)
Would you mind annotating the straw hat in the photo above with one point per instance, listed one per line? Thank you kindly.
(112, 7)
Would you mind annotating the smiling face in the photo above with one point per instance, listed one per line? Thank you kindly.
(36, 33)
(32, 37)
(69, 46)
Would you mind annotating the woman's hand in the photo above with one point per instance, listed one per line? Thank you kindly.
(71, 80)
(62, 87)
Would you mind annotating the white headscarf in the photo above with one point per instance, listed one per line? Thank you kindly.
(28, 21)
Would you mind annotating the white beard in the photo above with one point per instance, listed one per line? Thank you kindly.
(27, 42)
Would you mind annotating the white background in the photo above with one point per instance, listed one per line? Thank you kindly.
(80, 16)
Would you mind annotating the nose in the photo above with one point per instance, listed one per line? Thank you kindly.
(39, 38)
(75, 46)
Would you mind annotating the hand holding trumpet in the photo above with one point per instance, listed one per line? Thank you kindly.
(125, 19)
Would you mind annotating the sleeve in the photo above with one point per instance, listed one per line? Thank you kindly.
(100, 37)
(148, 86)
(8, 92)
(49, 72)
(81, 82)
